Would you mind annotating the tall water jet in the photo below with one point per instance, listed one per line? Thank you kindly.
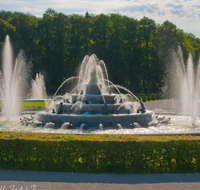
(184, 83)
(13, 80)
(38, 90)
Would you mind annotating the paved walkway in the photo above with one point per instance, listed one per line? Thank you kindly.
(14, 180)
(171, 106)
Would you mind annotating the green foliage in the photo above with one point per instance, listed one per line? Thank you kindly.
(144, 99)
(5, 29)
(6, 15)
(99, 153)
(134, 50)
(148, 97)
(157, 96)
(153, 97)
(140, 98)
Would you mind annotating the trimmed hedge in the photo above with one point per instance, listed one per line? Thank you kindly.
(153, 97)
(149, 97)
(99, 153)
(144, 99)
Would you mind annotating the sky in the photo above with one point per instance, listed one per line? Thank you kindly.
(185, 14)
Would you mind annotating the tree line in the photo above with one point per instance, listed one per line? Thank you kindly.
(134, 51)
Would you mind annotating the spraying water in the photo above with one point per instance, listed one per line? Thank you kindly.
(184, 82)
(90, 101)
(38, 90)
(13, 80)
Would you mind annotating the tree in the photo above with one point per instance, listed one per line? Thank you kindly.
(168, 38)
(87, 15)
(130, 49)
(6, 29)
(59, 47)
(25, 35)
(114, 57)
(79, 41)
(147, 26)
(99, 35)
(134, 51)
(6, 15)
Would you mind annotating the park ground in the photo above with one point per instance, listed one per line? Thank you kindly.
(66, 181)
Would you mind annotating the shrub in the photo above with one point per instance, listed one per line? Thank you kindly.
(153, 97)
(144, 99)
(139, 97)
(99, 153)
(157, 97)
(149, 97)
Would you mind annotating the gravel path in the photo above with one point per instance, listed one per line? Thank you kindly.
(60, 181)
(164, 106)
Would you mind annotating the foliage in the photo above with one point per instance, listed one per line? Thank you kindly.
(153, 97)
(148, 97)
(99, 153)
(134, 50)
(144, 99)
(158, 97)
(5, 28)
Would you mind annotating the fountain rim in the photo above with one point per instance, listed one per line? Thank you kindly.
(93, 115)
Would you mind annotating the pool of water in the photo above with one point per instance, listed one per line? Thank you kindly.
(177, 125)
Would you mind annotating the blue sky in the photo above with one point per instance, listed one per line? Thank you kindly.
(184, 13)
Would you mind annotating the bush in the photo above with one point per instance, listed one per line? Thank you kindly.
(157, 97)
(149, 97)
(144, 98)
(99, 153)
(153, 97)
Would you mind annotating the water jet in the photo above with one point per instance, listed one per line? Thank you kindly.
(97, 106)
(13, 80)
(92, 104)
(183, 83)
(38, 90)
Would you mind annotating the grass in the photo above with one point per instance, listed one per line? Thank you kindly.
(28, 105)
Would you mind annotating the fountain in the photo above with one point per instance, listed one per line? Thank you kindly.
(38, 90)
(95, 102)
(12, 81)
(91, 101)
(184, 82)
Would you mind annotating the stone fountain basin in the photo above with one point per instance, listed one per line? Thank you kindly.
(96, 98)
(97, 108)
(93, 121)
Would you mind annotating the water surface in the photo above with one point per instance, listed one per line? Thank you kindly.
(178, 125)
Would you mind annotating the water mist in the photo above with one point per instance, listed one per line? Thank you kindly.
(183, 81)
(38, 90)
(13, 80)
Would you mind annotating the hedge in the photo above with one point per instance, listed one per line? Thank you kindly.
(149, 97)
(144, 99)
(99, 153)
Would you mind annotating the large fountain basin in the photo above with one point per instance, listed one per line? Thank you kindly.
(93, 121)
(96, 108)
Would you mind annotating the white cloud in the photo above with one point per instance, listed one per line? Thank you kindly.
(170, 9)
(30, 10)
